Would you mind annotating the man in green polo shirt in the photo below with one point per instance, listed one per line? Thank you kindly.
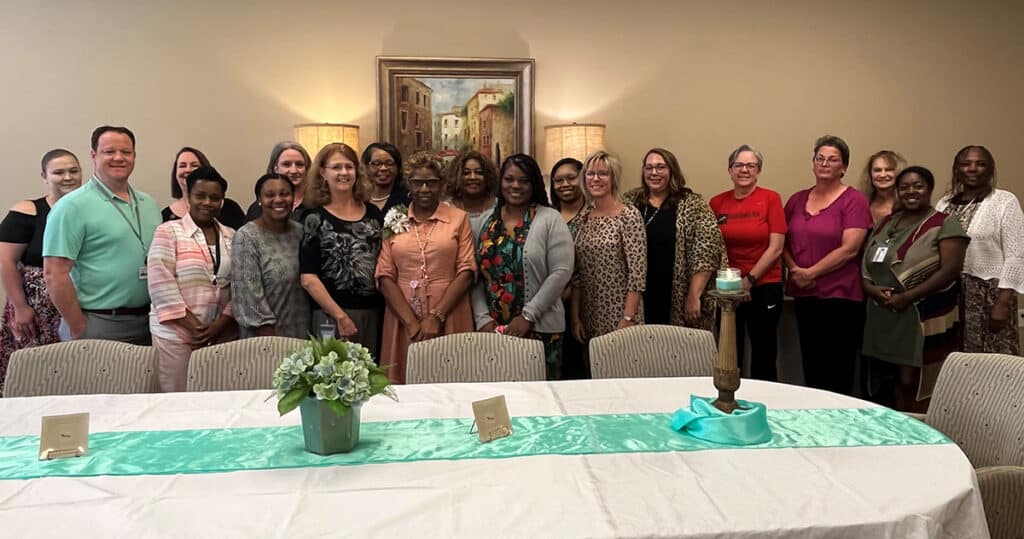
(95, 245)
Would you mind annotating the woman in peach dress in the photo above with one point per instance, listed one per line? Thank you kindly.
(426, 266)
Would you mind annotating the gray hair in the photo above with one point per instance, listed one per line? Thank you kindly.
(746, 148)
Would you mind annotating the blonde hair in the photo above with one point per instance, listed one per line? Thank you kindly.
(614, 166)
(893, 158)
(317, 192)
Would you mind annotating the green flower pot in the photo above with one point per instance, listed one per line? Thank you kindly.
(326, 432)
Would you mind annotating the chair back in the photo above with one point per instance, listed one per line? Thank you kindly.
(239, 365)
(979, 403)
(87, 366)
(475, 357)
(647, 351)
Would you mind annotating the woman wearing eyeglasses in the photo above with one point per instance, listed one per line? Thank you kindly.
(611, 256)
(684, 244)
(340, 244)
(753, 225)
(383, 164)
(426, 266)
(827, 225)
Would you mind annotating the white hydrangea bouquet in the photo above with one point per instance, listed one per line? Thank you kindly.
(396, 221)
(342, 374)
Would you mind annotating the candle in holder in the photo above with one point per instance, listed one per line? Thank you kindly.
(729, 281)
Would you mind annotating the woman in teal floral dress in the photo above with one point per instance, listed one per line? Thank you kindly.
(525, 255)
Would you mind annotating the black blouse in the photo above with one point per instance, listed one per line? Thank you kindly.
(22, 228)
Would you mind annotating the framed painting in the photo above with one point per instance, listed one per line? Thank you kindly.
(449, 105)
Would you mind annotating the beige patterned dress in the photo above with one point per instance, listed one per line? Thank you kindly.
(611, 260)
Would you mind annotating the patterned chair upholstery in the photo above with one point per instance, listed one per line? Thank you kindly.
(475, 357)
(239, 365)
(82, 367)
(979, 403)
(1002, 492)
(646, 351)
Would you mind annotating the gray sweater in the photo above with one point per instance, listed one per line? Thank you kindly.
(548, 263)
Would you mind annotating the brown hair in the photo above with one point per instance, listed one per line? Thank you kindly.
(317, 192)
(893, 158)
(455, 180)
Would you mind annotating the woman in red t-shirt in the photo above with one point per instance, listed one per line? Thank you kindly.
(753, 224)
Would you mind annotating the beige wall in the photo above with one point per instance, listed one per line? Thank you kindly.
(699, 78)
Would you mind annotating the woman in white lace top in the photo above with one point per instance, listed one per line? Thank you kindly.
(994, 266)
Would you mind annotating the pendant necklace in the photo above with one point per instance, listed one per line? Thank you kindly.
(652, 216)
(416, 303)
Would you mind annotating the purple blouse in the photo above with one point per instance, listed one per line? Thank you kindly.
(811, 237)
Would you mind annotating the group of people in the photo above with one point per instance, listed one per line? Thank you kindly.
(387, 252)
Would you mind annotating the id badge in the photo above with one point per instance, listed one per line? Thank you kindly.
(880, 253)
(143, 273)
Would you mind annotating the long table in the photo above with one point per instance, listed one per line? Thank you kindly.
(904, 491)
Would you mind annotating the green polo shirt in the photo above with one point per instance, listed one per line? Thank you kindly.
(108, 239)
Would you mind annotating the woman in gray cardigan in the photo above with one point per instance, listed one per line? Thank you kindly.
(525, 265)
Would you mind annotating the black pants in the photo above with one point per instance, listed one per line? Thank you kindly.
(830, 333)
(759, 318)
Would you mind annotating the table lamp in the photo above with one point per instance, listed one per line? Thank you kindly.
(571, 140)
(312, 137)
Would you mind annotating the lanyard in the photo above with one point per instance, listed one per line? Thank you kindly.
(137, 229)
(214, 251)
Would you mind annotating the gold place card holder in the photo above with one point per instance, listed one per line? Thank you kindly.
(64, 436)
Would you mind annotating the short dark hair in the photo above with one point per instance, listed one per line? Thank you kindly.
(206, 174)
(576, 163)
(924, 173)
(266, 178)
(529, 167)
(53, 154)
(391, 150)
(98, 132)
(834, 142)
(203, 162)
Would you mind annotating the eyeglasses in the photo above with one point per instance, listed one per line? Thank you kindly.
(430, 183)
(744, 166)
(820, 159)
(382, 164)
(603, 174)
(660, 167)
(565, 179)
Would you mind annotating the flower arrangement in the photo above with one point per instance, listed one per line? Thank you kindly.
(342, 374)
(396, 221)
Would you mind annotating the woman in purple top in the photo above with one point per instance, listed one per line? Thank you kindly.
(827, 225)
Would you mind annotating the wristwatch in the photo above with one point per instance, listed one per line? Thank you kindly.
(526, 316)
(628, 318)
(751, 278)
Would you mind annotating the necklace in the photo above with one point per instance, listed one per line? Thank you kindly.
(652, 216)
(416, 303)
(380, 199)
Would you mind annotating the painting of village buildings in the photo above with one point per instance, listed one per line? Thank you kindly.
(451, 115)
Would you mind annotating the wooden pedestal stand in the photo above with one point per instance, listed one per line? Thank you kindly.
(727, 371)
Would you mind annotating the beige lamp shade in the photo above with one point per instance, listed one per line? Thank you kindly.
(571, 140)
(312, 137)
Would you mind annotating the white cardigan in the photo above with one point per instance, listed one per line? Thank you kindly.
(996, 250)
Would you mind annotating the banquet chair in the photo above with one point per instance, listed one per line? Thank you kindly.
(653, 350)
(239, 365)
(978, 402)
(82, 367)
(475, 357)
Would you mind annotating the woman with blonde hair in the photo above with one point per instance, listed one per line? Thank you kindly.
(290, 160)
(879, 182)
(611, 256)
(426, 266)
(684, 244)
(340, 245)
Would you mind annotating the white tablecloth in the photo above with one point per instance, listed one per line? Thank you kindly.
(862, 492)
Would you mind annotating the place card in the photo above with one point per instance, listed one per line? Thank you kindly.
(64, 436)
(491, 418)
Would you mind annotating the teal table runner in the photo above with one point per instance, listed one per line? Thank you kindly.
(198, 451)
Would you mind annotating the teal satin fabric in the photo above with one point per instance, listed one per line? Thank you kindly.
(226, 450)
(747, 425)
